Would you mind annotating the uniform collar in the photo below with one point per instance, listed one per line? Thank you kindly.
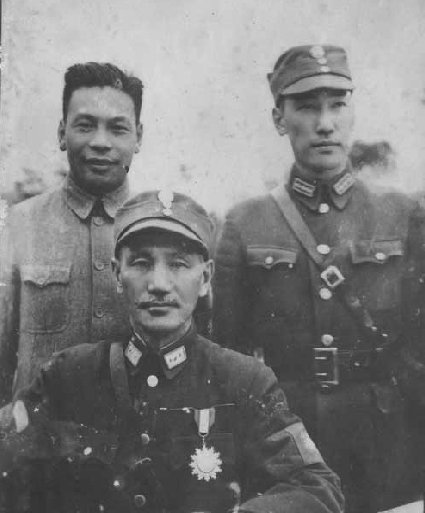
(82, 202)
(172, 359)
(314, 191)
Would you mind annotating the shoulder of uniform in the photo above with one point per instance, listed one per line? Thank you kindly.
(30, 207)
(235, 371)
(248, 204)
(80, 357)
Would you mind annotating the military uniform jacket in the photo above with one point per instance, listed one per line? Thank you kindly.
(151, 415)
(57, 285)
(269, 294)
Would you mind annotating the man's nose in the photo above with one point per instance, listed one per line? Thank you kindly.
(159, 280)
(325, 122)
(100, 139)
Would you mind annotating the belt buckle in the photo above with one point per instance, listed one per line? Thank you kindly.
(326, 368)
(332, 276)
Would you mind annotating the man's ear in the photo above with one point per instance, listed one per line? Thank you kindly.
(61, 135)
(279, 121)
(116, 269)
(139, 133)
(207, 275)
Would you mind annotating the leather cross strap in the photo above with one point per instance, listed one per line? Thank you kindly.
(119, 377)
(304, 236)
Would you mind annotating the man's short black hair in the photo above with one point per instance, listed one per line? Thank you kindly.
(101, 74)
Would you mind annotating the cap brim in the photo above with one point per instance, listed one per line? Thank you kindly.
(324, 81)
(161, 224)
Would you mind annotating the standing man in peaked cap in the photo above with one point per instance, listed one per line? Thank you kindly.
(310, 279)
(167, 420)
(56, 286)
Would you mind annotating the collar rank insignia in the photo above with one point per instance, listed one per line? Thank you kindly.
(133, 353)
(175, 357)
(302, 187)
(343, 184)
(166, 198)
(206, 462)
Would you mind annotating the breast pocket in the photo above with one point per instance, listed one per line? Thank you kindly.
(274, 280)
(45, 298)
(379, 265)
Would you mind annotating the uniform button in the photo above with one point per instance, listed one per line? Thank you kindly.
(139, 500)
(324, 208)
(99, 266)
(98, 312)
(380, 256)
(325, 293)
(268, 260)
(323, 249)
(152, 381)
(98, 221)
(145, 438)
(327, 339)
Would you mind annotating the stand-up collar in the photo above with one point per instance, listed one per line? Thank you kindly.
(171, 359)
(81, 202)
(313, 192)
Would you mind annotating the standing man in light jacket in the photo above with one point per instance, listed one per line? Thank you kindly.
(57, 289)
(310, 278)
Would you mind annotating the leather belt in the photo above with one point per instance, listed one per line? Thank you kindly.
(332, 366)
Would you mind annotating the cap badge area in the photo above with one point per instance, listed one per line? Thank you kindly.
(166, 198)
(317, 52)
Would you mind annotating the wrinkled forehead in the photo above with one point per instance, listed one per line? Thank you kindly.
(101, 102)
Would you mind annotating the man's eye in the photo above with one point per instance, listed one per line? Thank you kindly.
(179, 264)
(340, 103)
(140, 262)
(306, 106)
(120, 129)
(84, 127)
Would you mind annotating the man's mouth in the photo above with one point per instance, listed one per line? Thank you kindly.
(100, 163)
(156, 308)
(325, 144)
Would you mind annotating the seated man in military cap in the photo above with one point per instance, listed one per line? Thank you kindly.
(166, 421)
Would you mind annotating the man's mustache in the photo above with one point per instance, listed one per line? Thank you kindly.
(156, 303)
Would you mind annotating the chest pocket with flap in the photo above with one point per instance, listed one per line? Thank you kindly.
(269, 257)
(378, 252)
(45, 297)
(378, 271)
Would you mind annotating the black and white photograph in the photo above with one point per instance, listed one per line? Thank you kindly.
(212, 256)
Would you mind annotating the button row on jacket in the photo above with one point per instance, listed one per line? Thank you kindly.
(324, 208)
(98, 312)
(325, 293)
(327, 339)
(98, 221)
(99, 266)
(323, 249)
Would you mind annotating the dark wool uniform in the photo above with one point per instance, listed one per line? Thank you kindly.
(271, 300)
(148, 431)
(181, 426)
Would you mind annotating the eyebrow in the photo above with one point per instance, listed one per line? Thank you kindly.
(90, 117)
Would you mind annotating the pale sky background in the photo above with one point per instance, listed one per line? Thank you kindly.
(207, 105)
